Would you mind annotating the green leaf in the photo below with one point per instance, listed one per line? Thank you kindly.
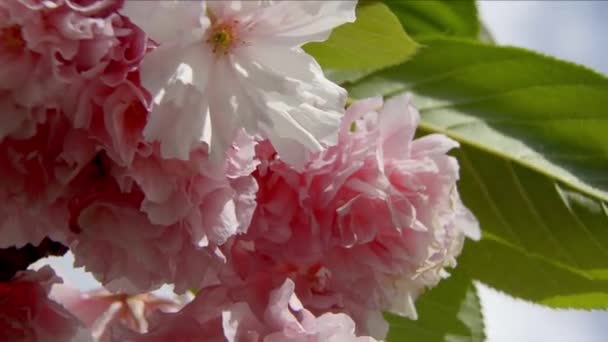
(374, 41)
(542, 241)
(512, 269)
(437, 17)
(534, 155)
(449, 312)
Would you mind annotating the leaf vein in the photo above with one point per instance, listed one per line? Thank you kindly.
(580, 222)
(530, 205)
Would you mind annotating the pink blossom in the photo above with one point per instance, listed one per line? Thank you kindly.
(60, 62)
(27, 314)
(78, 169)
(214, 315)
(100, 310)
(127, 253)
(47, 47)
(217, 200)
(160, 220)
(65, 58)
(135, 220)
(379, 210)
(117, 116)
(33, 176)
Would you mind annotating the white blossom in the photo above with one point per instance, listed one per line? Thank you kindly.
(226, 65)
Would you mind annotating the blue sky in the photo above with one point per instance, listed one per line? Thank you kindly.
(576, 31)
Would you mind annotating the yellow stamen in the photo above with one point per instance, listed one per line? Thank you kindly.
(222, 38)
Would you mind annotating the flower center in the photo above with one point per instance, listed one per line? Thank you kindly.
(11, 37)
(223, 37)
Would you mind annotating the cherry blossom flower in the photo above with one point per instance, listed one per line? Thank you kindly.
(380, 209)
(214, 315)
(225, 65)
(100, 310)
(160, 220)
(34, 173)
(76, 168)
(27, 314)
(52, 54)
(48, 46)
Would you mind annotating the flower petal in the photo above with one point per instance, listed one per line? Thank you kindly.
(179, 122)
(300, 106)
(398, 126)
(164, 20)
(300, 22)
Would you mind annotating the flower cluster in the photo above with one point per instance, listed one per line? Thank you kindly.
(195, 143)
(378, 209)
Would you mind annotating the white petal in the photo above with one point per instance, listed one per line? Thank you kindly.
(292, 138)
(397, 122)
(227, 8)
(295, 103)
(301, 76)
(220, 217)
(358, 110)
(311, 127)
(431, 145)
(201, 62)
(300, 69)
(178, 123)
(231, 108)
(465, 220)
(291, 151)
(299, 22)
(165, 20)
(404, 305)
(159, 67)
